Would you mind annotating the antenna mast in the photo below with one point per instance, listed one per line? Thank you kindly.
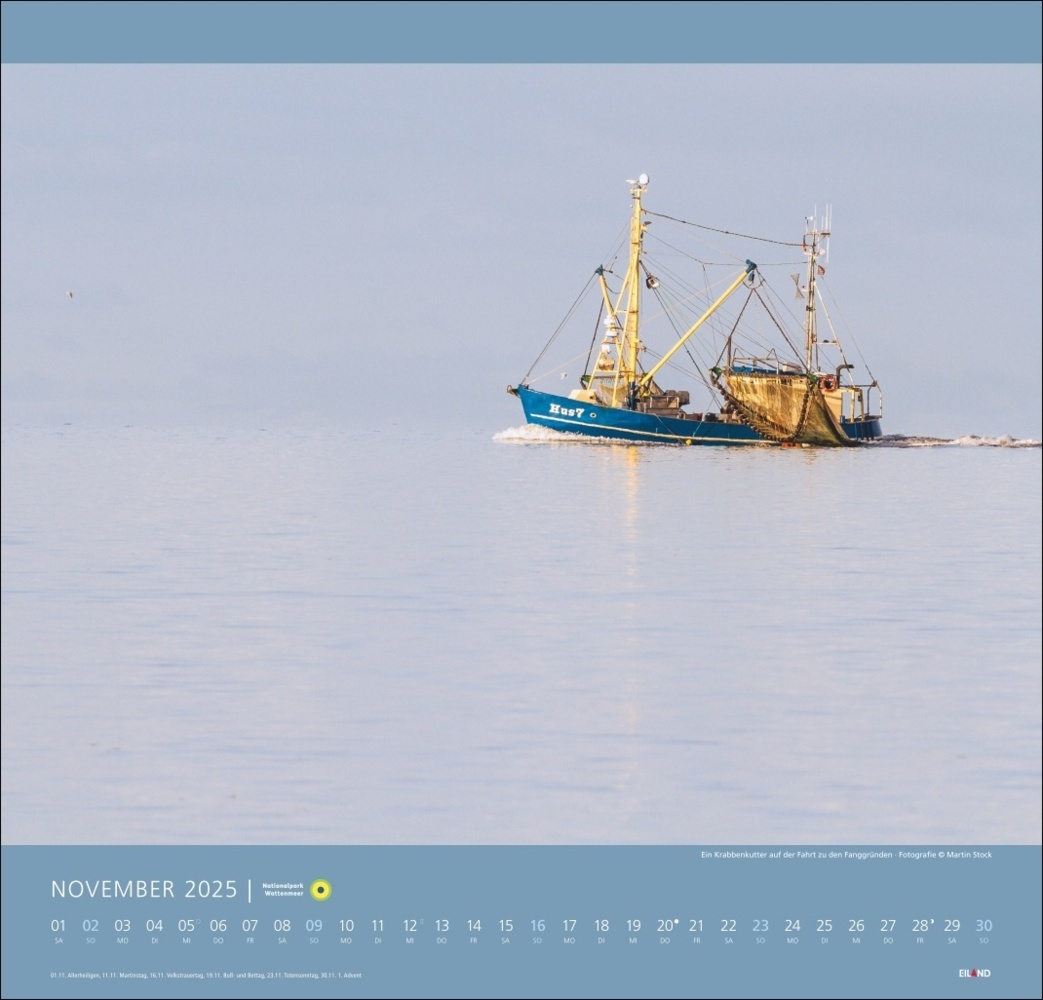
(816, 244)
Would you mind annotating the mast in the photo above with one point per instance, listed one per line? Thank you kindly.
(618, 360)
(631, 328)
(813, 251)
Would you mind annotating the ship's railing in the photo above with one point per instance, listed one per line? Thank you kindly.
(861, 402)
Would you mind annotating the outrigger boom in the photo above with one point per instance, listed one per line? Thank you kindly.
(727, 294)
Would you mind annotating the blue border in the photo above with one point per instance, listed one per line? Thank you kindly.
(724, 921)
(53, 31)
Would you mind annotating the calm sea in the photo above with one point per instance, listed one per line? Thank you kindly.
(319, 637)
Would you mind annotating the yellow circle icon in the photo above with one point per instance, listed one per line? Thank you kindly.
(321, 889)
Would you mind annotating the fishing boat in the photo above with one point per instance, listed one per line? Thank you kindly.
(769, 376)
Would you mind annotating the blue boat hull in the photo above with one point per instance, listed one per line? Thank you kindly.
(563, 414)
(863, 430)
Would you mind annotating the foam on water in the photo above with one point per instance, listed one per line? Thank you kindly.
(535, 434)
(964, 441)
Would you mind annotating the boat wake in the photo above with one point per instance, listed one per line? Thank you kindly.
(537, 434)
(966, 441)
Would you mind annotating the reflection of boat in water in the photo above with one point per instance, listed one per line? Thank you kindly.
(763, 387)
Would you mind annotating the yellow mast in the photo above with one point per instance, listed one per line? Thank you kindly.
(631, 329)
(624, 376)
(628, 384)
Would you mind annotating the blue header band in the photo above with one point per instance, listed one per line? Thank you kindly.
(511, 32)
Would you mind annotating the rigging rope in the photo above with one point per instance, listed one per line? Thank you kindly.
(670, 312)
(593, 339)
(725, 232)
(561, 326)
(847, 336)
(774, 319)
(556, 368)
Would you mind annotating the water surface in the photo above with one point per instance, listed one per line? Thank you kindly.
(337, 637)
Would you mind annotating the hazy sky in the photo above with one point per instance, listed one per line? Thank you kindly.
(368, 245)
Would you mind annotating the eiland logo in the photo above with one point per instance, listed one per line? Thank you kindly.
(975, 973)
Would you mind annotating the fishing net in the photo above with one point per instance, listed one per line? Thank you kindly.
(785, 408)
